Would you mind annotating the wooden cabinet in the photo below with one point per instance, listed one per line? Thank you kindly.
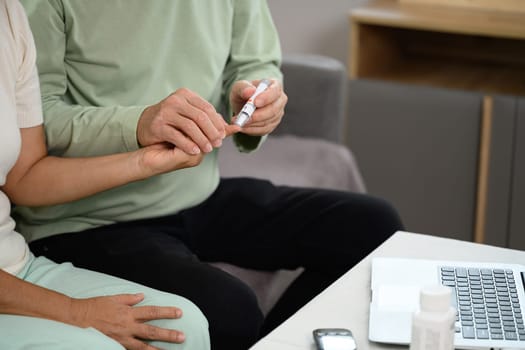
(439, 46)
(418, 147)
(448, 82)
(498, 201)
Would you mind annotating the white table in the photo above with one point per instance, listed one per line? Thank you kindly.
(345, 303)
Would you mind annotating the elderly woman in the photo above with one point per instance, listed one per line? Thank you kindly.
(44, 305)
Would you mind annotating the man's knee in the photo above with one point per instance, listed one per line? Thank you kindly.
(386, 217)
(370, 213)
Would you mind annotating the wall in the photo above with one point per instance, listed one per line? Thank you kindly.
(314, 26)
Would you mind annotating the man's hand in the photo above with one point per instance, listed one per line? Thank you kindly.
(270, 105)
(185, 120)
(117, 317)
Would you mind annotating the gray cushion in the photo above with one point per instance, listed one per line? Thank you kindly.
(295, 161)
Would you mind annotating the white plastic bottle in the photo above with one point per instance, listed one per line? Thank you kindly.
(433, 323)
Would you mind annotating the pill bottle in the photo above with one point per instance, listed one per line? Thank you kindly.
(433, 323)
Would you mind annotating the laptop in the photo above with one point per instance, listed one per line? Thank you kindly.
(489, 298)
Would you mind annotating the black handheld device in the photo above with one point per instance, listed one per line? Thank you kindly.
(334, 339)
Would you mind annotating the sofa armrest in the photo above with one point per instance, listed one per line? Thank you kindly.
(316, 89)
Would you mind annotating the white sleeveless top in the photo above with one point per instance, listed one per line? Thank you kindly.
(20, 107)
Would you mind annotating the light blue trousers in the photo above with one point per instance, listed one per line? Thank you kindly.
(20, 332)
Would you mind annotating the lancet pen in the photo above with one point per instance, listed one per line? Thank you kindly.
(248, 109)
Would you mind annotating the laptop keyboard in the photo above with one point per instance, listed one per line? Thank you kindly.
(487, 303)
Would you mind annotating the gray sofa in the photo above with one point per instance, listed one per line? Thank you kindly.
(305, 150)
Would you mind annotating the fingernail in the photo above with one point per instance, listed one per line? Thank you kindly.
(217, 143)
(181, 337)
(195, 150)
(208, 148)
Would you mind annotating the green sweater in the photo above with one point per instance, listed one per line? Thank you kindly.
(102, 62)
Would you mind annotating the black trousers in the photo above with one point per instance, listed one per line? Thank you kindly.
(246, 222)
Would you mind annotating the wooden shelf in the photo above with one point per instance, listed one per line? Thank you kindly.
(439, 46)
(491, 5)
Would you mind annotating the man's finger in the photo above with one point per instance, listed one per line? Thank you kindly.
(212, 124)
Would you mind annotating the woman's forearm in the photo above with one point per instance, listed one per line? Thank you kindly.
(18, 297)
(54, 180)
(38, 179)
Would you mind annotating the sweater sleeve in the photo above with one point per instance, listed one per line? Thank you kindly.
(72, 129)
(255, 54)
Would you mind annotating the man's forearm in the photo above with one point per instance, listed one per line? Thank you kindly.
(82, 131)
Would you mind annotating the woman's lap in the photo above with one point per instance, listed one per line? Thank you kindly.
(17, 332)
(22, 332)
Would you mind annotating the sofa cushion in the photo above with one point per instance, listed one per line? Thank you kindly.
(294, 161)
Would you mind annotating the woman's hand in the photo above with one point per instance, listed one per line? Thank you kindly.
(117, 317)
(162, 158)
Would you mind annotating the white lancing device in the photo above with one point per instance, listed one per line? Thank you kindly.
(247, 110)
